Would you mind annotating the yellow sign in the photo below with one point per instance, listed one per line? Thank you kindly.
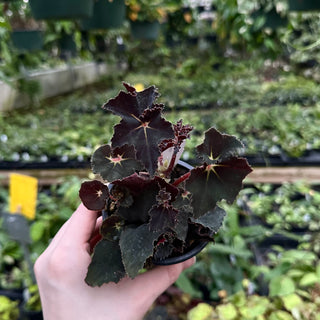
(23, 195)
(139, 87)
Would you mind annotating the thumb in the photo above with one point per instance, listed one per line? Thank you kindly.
(157, 280)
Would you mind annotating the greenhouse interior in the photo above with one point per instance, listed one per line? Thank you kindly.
(192, 127)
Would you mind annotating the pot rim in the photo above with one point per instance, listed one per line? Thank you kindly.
(194, 250)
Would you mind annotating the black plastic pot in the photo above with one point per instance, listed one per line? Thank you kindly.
(145, 30)
(273, 19)
(67, 45)
(27, 40)
(304, 5)
(106, 15)
(61, 9)
(191, 252)
(30, 315)
(12, 294)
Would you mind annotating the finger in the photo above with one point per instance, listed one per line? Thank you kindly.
(155, 281)
(98, 225)
(63, 231)
(96, 236)
(81, 226)
(93, 241)
(56, 239)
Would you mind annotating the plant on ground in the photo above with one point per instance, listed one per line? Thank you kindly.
(32, 299)
(293, 279)
(143, 10)
(292, 205)
(8, 309)
(221, 269)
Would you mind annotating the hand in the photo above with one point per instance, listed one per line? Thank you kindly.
(61, 270)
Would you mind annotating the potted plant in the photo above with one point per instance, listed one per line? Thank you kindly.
(154, 209)
(304, 5)
(8, 308)
(62, 35)
(106, 15)
(145, 17)
(26, 33)
(31, 308)
(272, 18)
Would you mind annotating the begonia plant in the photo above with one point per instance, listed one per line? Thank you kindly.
(153, 207)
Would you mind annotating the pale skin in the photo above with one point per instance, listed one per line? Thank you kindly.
(61, 270)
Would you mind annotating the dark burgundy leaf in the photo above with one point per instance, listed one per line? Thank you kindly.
(144, 192)
(137, 245)
(218, 147)
(163, 250)
(106, 265)
(212, 220)
(183, 200)
(121, 196)
(133, 103)
(181, 227)
(130, 88)
(209, 184)
(183, 205)
(113, 164)
(136, 183)
(163, 217)
(181, 133)
(164, 197)
(94, 194)
(111, 228)
(167, 187)
(199, 232)
(144, 133)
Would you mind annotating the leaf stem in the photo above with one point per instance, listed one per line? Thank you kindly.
(171, 165)
(181, 179)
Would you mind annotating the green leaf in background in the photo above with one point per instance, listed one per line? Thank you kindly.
(227, 312)
(318, 269)
(309, 279)
(281, 286)
(202, 311)
(280, 315)
(8, 309)
(291, 301)
(255, 307)
(186, 285)
(37, 230)
(225, 249)
(295, 273)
